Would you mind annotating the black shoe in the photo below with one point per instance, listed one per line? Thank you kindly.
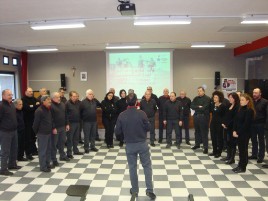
(160, 141)
(205, 151)
(151, 195)
(265, 166)
(168, 146)
(70, 156)
(35, 153)
(81, 142)
(55, 163)
(6, 173)
(78, 153)
(86, 151)
(236, 168)
(131, 193)
(217, 155)
(111, 146)
(153, 144)
(259, 160)
(46, 170)
(195, 147)
(22, 159)
(94, 149)
(252, 157)
(51, 166)
(98, 139)
(108, 146)
(239, 170)
(187, 142)
(14, 167)
(225, 159)
(30, 157)
(212, 154)
(230, 161)
(121, 144)
(65, 159)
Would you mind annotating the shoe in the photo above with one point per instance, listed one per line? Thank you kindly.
(212, 154)
(111, 146)
(205, 151)
(14, 167)
(94, 149)
(86, 151)
(239, 170)
(152, 144)
(217, 156)
(6, 173)
(78, 153)
(160, 141)
(187, 142)
(22, 159)
(224, 159)
(30, 157)
(151, 195)
(55, 163)
(35, 153)
(168, 146)
(195, 147)
(51, 166)
(178, 146)
(45, 170)
(265, 166)
(121, 144)
(230, 161)
(236, 168)
(81, 142)
(259, 160)
(70, 156)
(98, 139)
(252, 157)
(131, 193)
(65, 159)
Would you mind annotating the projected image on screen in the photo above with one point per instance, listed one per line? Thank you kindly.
(139, 70)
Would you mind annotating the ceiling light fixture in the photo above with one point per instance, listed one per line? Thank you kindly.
(162, 20)
(57, 25)
(49, 49)
(208, 45)
(255, 19)
(122, 46)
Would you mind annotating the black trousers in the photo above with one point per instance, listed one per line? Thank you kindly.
(21, 143)
(109, 125)
(216, 132)
(161, 126)
(231, 141)
(30, 139)
(201, 122)
(242, 142)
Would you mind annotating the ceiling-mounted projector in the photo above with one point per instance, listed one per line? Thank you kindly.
(126, 8)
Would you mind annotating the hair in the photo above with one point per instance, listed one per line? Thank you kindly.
(200, 87)
(88, 91)
(250, 104)
(43, 98)
(122, 90)
(173, 93)
(62, 88)
(71, 93)
(219, 94)
(54, 94)
(16, 101)
(131, 99)
(106, 96)
(235, 97)
(4, 91)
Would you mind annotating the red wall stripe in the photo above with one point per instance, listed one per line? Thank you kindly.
(24, 70)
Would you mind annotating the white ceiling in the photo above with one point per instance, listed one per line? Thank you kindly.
(212, 20)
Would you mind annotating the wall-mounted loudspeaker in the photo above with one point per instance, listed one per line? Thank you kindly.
(217, 78)
(62, 80)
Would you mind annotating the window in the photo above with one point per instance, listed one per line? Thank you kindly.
(15, 61)
(6, 60)
(7, 81)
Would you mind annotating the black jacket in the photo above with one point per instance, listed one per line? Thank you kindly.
(149, 107)
(29, 107)
(260, 107)
(153, 96)
(73, 112)
(108, 109)
(186, 104)
(121, 105)
(8, 117)
(203, 101)
(229, 117)
(42, 124)
(172, 110)
(88, 111)
(59, 115)
(243, 121)
(218, 113)
(20, 120)
(162, 100)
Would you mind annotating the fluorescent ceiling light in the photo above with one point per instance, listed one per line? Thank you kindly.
(114, 47)
(165, 20)
(255, 19)
(207, 45)
(46, 26)
(42, 50)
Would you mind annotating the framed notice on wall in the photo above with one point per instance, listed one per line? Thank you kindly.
(83, 76)
(228, 85)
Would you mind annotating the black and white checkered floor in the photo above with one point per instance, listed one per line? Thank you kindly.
(176, 173)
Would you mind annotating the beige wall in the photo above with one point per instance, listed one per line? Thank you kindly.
(191, 69)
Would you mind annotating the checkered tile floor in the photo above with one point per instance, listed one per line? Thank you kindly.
(176, 173)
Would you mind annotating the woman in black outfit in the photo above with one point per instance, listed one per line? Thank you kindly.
(241, 131)
(109, 118)
(121, 105)
(228, 122)
(216, 130)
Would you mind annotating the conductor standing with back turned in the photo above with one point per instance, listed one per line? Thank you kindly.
(134, 125)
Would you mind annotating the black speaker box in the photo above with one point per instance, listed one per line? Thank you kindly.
(62, 80)
(217, 78)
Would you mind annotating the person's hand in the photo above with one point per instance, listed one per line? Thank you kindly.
(37, 103)
(223, 125)
(235, 134)
(200, 106)
(165, 122)
(67, 128)
(54, 131)
(180, 123)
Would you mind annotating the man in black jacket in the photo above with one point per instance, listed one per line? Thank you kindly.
(172, 118)
(89, 116)
(186, 104)
(8, 134)
(266, 133)
(42, 126)
(148, 105)
(134, 125)
(162, 100)
(30, 104)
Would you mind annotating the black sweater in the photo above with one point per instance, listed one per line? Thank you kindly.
(149, 107)
(260, 107)
(121, 105)
(88, 110)
(8, 118)
(186, 104)
(218, 113)
(172, 110)
(42, 124)
(203, 101)
(229, 117)
(243, 121)
(30, 104)
(59, 114)
(108, 109)
(162, 100)
(20, 120)
(73, 112)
